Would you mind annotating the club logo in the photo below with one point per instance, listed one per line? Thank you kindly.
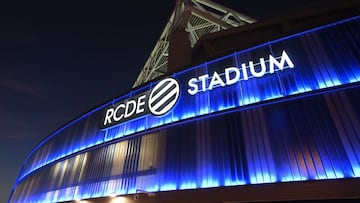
(163, 96)
(157, 101)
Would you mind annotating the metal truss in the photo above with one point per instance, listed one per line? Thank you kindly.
(198, 18)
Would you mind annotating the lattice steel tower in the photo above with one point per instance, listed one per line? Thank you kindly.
(192, 19)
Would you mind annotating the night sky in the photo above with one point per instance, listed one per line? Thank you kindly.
(60, 59)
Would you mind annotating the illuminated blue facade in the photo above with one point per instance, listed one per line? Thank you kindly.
(298, 123)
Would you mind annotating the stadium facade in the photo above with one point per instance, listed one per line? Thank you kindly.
(275, 121)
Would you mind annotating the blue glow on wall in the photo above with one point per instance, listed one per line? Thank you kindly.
(334, 67)
(168, 187)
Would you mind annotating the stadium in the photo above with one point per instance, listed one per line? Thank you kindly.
(226, 109)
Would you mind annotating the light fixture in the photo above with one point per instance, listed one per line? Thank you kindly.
(138, 192)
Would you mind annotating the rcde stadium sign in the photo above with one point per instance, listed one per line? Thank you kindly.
(158, 101)
(165, 95)
(232, 75)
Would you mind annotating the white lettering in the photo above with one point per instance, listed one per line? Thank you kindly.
(127, 113)
(230, 81)
(263, 68)
(108, 115)
(280, 65)
(140, 103)
(117, 118)
(243, 67)
(203, 81)
(215, 81)
(192, 83)
(232, 74)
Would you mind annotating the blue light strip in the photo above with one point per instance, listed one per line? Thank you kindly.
(105, 188)
(305, 77)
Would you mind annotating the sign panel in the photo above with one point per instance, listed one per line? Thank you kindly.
(158, 101)
(164, 95)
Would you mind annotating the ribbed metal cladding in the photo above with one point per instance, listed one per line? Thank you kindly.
(325, 58)
(306, 139)
(297, 124)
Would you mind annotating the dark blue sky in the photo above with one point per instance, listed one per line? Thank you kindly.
(59, 59)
